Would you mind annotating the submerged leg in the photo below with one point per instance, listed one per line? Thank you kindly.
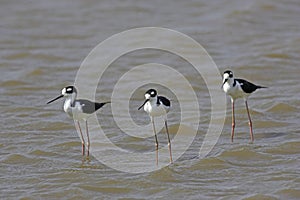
(156, 141)
(250, 122)
(169, 142)
(88, 138)
(82, 139)
(233, 121)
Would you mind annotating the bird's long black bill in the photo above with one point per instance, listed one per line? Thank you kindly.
(143, 104)
(55, 99)
(224, 83)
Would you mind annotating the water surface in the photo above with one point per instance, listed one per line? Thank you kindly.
(42, 46)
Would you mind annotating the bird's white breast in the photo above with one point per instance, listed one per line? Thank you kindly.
(234, 91)
(227, 88)
(76, 111)
(67, 107)
(155, 110)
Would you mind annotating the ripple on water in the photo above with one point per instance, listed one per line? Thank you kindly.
(286, 148)
(18, 159)
(261, 196)
(41, 56)
(36, 72)
(12, 83)
(282, 108)
(246, 156)
(40, 153)
(165, 174)
(289, 194)
(268, 124)
(213, 163)
(68, 144)
(277, 55)
(56, 126)
(106, 189)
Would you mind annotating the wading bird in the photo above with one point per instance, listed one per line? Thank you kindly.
(79, 110)
(156, 106)
(238, 88)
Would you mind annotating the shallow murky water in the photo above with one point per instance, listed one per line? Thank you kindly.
(42, 46)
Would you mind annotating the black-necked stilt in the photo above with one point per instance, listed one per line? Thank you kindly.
(156, 106)
(238, 88)
(79, 110)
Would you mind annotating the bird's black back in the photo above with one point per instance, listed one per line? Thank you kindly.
(164, 100)
(247, 86)
(89, 107)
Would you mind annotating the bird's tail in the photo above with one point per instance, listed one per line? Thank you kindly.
(258, 87)
(99, 105)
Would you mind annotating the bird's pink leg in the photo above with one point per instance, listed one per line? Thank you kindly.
(169, 142)
(156, 141)
(250, 122)
(88, 138)
(233, 121)
(82, 139)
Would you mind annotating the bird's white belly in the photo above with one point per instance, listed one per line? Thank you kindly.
(75, 112)
(79, 115)
(234, 92)
(154, 110)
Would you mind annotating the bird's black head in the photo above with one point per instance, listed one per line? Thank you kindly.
(227, 76)
(150, 94)
(230, 73)
(68, 90)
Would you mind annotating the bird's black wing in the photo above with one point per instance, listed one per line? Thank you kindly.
(164, 100)
(89, 107)
(247, 86)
